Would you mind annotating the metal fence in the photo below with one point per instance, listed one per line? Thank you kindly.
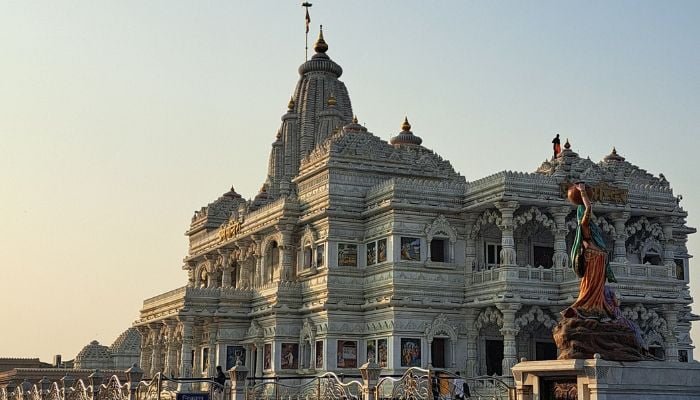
(414, 384)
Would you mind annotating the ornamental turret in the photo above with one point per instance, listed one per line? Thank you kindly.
(406, 137)
(329, 120)
(276, 165)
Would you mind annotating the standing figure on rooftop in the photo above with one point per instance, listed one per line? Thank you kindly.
(556, 145)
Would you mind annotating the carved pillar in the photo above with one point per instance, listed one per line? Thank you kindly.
(671, 315)
(669, 246)
(620, 252)
(429, 351)
(197, 276)
(226, 262)
(211, 270)
(312, 354)
(146, 350)
(259, 358)
(507, 208)
(171, 349)
(470, 255)
(246, 267)
(509, 332)
(256, 253)
(249, 360)
(212, 330)
(157, 356)
(561, 257)
(186, 349)
(190, 267)
(285, 273)
(472, 337)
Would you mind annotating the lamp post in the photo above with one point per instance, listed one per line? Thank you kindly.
(238, 374)
(370, 376)
(133, 375)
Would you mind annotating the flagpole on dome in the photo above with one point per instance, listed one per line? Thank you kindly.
(306, 5)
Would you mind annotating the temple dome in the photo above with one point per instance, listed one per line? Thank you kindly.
(129, 342)
(93, 356)
(126, 349)
(406, 137)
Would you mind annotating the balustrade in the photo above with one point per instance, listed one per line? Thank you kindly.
(557, 275)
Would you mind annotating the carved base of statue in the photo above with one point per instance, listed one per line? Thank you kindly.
(581, 338)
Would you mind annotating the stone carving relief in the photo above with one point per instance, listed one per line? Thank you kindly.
(488, 217)
(441, 226)
(643, 225)
(309, 237)
(254, 331)
(440, 326)
(536, 316)
(643, 236)
(652, 325)
(534, 214)
(488, 316)
(308, 331)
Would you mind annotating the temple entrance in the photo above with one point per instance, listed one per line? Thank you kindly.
(494, 357)
(437, 351)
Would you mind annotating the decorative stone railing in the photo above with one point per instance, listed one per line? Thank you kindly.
(644, 271)
(558, 275)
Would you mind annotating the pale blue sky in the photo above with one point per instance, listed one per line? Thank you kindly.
(119, 119)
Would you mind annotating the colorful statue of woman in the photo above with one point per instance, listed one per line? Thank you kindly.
(589, 261)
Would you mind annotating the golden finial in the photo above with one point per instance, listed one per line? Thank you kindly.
(354, 119)
(567, 145)
(320, 46)
(405, 126)
(614, 150)
(290, 105)
(332, 101)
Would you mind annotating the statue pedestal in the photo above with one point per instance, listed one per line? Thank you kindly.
(597, 379)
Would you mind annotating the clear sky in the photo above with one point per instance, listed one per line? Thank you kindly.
(119, 119)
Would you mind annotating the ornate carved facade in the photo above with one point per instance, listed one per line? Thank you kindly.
(356, 247)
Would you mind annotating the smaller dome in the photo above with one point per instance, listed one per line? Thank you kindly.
(406, 137)
(613, 156)
(354, 126)
(231, 194)
(94, 355)
(129, 342)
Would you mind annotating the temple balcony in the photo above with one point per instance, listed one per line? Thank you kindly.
(528, 273)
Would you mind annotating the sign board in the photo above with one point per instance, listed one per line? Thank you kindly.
(192, 396)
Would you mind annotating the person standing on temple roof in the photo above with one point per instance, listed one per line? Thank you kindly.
(556, 145)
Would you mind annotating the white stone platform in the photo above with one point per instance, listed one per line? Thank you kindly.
(598, 379)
